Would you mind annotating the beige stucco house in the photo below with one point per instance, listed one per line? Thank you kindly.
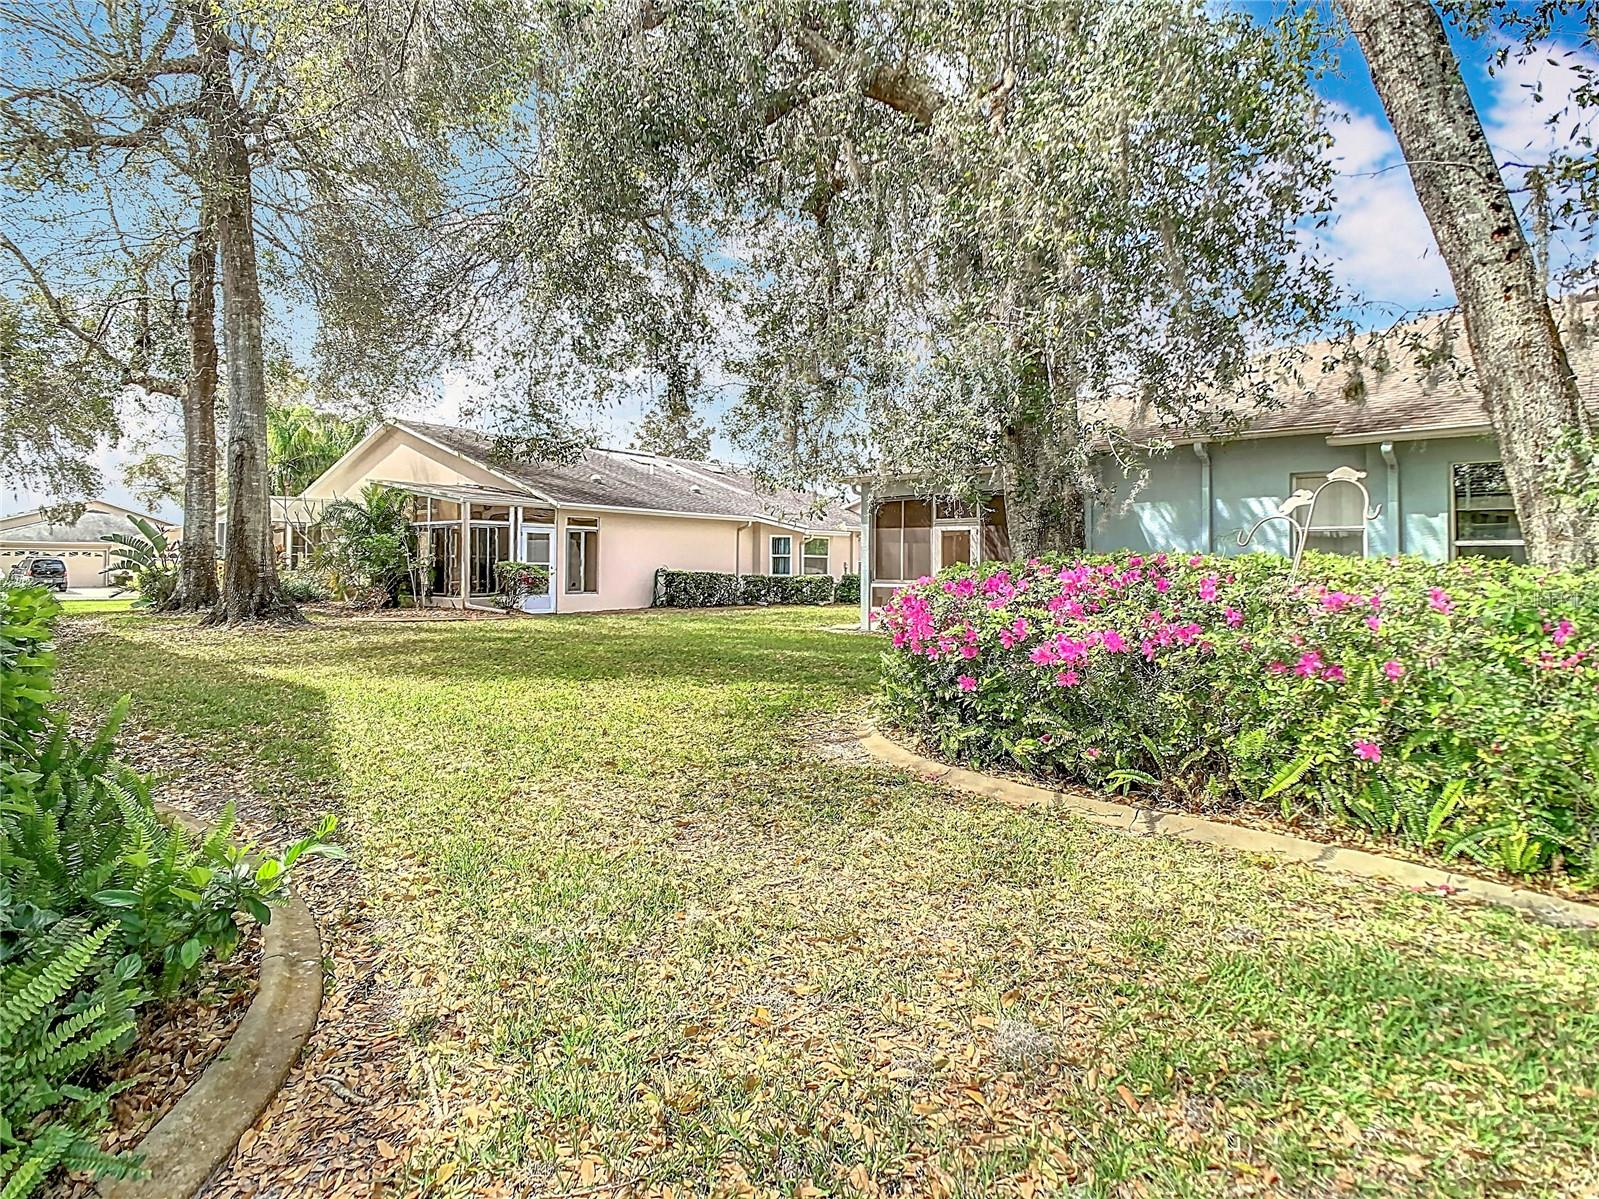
(77, 543)
(603, 524)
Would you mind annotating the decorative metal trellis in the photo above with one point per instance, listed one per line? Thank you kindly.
(1305, 500)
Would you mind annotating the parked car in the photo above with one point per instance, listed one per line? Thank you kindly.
(39, 572)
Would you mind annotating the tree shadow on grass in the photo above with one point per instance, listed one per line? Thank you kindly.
(274, 733)
(605, 648)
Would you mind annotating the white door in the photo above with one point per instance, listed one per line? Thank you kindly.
(538, 550)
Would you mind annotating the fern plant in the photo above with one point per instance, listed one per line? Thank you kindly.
(64, 1007)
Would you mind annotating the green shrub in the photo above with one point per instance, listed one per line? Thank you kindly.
(26, 662)
(848, 590)
(1452, 707)
(518, 580)
(788, 589)
(697, 589)
(65, 1004)
(306, 585)
(715, 589)
(95, 891)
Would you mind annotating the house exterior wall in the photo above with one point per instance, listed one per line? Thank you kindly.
(633, 545)
(1250, 478)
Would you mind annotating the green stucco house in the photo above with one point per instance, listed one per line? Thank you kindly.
(1416, 429)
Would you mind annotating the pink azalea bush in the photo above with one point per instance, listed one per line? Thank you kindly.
(1451, 706)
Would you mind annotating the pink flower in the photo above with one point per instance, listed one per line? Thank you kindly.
(1113, 642)
(1563, 631)
(1368, 751)
(1207, 588)
(1278, 668)
(1093, 751)
(968, 651)
(1067, 678)
(1195, 560)
(1393, 669)
(1337, 601)
(1234, 617)
(1042, 655)
(1438, 599)
(1374, 623)
(1333, 673)
(966, 683)
(1163, 585)
(1309, 665)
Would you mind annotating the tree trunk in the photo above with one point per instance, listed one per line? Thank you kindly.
(250, 588)
(197, 554)
(1527, 383)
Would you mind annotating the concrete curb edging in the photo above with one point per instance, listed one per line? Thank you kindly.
(203, 1128)
(1140, 821)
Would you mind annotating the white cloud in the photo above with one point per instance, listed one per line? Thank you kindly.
(1380, 242)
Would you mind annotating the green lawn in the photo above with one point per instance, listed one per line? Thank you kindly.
(96, 607)
(653, 926)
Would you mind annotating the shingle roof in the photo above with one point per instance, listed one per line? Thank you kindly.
(91, 526)
(631, 479)
(1415, 378)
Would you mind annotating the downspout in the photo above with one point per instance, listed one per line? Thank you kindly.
(1396, 513)
(738, 549)
(866, 557)
(1202, 452)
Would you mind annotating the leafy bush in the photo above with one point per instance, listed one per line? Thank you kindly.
(306, 585)
(366, 545)
(697, 589)
(788, 589)
(63, 1005)
(101, 903)
(518, 580)
(848, 590)
(1452, 707)
(715, 589)
(146, 560)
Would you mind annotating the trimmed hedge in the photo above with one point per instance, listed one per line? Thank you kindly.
(1453, 707)
(714, 589)
(849, 590)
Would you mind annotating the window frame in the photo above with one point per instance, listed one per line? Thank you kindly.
(587, 530)
(1359, 530)
(1454, 527)
(825, 557)
(772, 555)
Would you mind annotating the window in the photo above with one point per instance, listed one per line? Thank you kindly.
(815, 556)
(582, 556)
(782, 556)
(902, 541)
(1485, 522)
(1340, 525)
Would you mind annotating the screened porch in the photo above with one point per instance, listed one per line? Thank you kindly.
(462, 532)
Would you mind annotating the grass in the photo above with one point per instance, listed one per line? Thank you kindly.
(655, 932)
(96, 607)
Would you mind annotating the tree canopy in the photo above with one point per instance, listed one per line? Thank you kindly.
(966, 226)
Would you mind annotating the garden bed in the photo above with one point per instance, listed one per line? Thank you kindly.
(175, 1043)
(1447, 708)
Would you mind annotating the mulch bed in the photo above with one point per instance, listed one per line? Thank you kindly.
(177, 1040)
(343, 1119)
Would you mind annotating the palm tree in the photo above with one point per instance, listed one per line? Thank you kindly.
(302, 443)
(366, 544)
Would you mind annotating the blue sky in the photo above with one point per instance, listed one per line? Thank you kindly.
(1379, 241)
